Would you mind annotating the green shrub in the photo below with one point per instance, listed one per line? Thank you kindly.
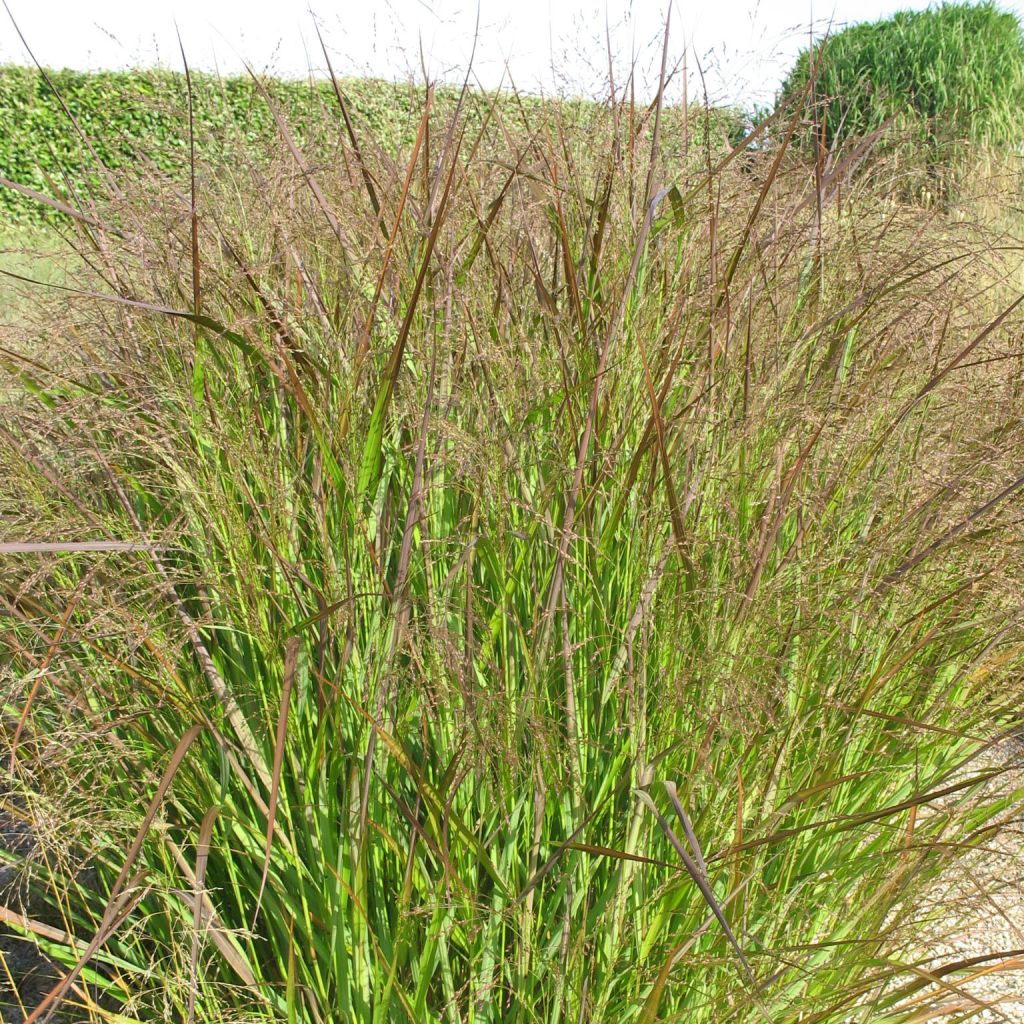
(946, 74)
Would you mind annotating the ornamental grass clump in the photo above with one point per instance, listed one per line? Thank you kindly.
(534, 579)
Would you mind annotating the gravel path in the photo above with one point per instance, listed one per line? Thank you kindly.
(978, 911)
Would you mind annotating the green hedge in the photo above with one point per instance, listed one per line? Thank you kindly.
(947, 74)
(140, 118)
(133, 115)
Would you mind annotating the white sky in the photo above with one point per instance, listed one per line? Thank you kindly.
(744, 46)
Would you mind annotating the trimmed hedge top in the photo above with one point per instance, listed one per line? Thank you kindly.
(139, 118)
(130, 116)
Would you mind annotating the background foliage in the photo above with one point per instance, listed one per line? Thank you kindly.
(138, 121)
(940, 77)
(141, 116)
